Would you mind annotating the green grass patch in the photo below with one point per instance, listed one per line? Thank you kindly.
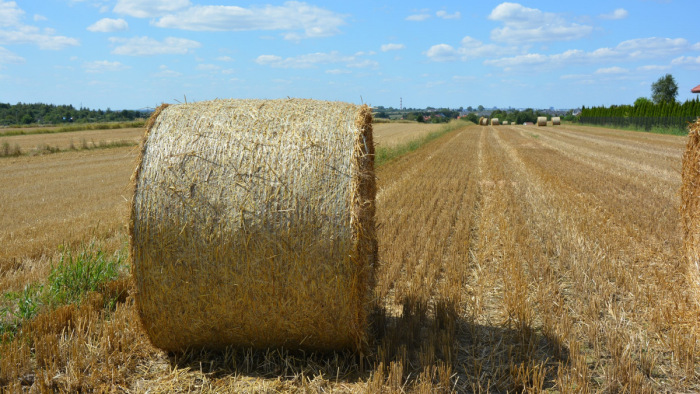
(386, 154)
(10, 151)
(77, 127)
(75, 274)
(81, 272)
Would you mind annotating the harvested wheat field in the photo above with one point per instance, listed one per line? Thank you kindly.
(73, 140)
(393, 134)
(510, 259)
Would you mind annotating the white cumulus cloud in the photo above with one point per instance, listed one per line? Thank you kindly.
(149, 8)
(10, 13)
(14, 31)
(522, 25)
(686, 61)
(446, 15)
(299, 19)
(443, 53)
(146, 46)
(469, 48)
(630, 50)
(619, 13)
(392, 47)
(108, 25)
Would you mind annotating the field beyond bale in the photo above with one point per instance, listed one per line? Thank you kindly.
(512, 259)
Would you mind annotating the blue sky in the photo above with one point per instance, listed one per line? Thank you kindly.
(131, 54)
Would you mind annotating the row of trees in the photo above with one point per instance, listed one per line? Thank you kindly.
(442, 115)
(22, 113)
(661, 111)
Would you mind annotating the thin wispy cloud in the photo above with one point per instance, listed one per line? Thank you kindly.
(313, 60)
(101, 66)
(146, 46)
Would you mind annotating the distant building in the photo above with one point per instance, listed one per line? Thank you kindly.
(695, 89)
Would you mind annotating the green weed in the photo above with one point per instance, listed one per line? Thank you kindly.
(76, 274)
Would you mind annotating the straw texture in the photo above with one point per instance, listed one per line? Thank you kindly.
(253, 225)
(542, 121)
(556, 121)
(690, 201)
(494, 122)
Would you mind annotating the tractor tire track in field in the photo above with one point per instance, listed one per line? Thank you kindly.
(551, 262)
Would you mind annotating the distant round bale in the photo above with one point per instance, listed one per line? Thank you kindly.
(690, 201)
(253, 225)
(494, 122)
(542, 121)
(556, 121)
(483, 121)
(505, 122)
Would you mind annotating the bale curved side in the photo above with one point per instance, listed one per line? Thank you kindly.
(542, 121)
(690, 201)
(494, 122)
(556, 121)
(252, 225)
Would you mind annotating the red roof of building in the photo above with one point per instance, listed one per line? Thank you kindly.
(695, 89)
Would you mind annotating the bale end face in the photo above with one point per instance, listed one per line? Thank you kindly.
(252, 225)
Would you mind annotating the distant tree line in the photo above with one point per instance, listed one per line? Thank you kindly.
(23, 114)
(429, 115)
(644, 114)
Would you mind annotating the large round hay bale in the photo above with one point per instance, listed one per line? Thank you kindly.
(556, 121)
(253, 225)
(483, 121)
(494, 122)
(690, 201)
(542, 121)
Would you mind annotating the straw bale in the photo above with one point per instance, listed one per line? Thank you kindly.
(483, 121)
(505, 122)
(253, 225)
(494, 122)
(556, 121)
(542, 121)
(690, 201)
